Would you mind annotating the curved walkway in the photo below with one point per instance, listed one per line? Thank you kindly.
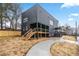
(42, 48)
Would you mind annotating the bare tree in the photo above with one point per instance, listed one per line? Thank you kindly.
(13, 14)
(17, 13)
(10, 11)
(3, 9)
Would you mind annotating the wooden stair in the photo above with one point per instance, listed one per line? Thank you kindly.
(30, 33)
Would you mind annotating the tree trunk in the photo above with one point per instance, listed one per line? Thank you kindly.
(5, 24)
(1, 23)
(12, 27)
(16, 25)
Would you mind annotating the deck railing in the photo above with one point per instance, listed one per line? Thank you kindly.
(36, 29)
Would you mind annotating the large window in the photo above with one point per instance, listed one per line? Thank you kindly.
(34, 25)
(41, 27)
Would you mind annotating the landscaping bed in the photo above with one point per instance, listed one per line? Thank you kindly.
(64, 49)
(66, 37)
(16, 46)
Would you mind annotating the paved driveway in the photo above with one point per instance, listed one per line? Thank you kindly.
(42, 48)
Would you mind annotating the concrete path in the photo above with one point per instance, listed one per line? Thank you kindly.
(42, 48)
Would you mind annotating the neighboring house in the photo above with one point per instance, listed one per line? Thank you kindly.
(67, 30)
(38, 17)
(64, 30)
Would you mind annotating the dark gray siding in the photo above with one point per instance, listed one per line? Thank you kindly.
(31, 14)
(37, 13)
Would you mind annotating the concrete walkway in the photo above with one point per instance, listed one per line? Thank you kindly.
(42, 48)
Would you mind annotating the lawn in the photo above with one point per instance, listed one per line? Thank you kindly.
(10, 33)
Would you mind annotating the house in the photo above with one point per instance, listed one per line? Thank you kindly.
(38, 18)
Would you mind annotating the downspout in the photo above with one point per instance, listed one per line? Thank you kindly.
(37, 22)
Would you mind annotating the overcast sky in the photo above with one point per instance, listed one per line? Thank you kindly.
(65, 13)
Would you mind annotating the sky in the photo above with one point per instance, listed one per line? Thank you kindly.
(65, 13)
